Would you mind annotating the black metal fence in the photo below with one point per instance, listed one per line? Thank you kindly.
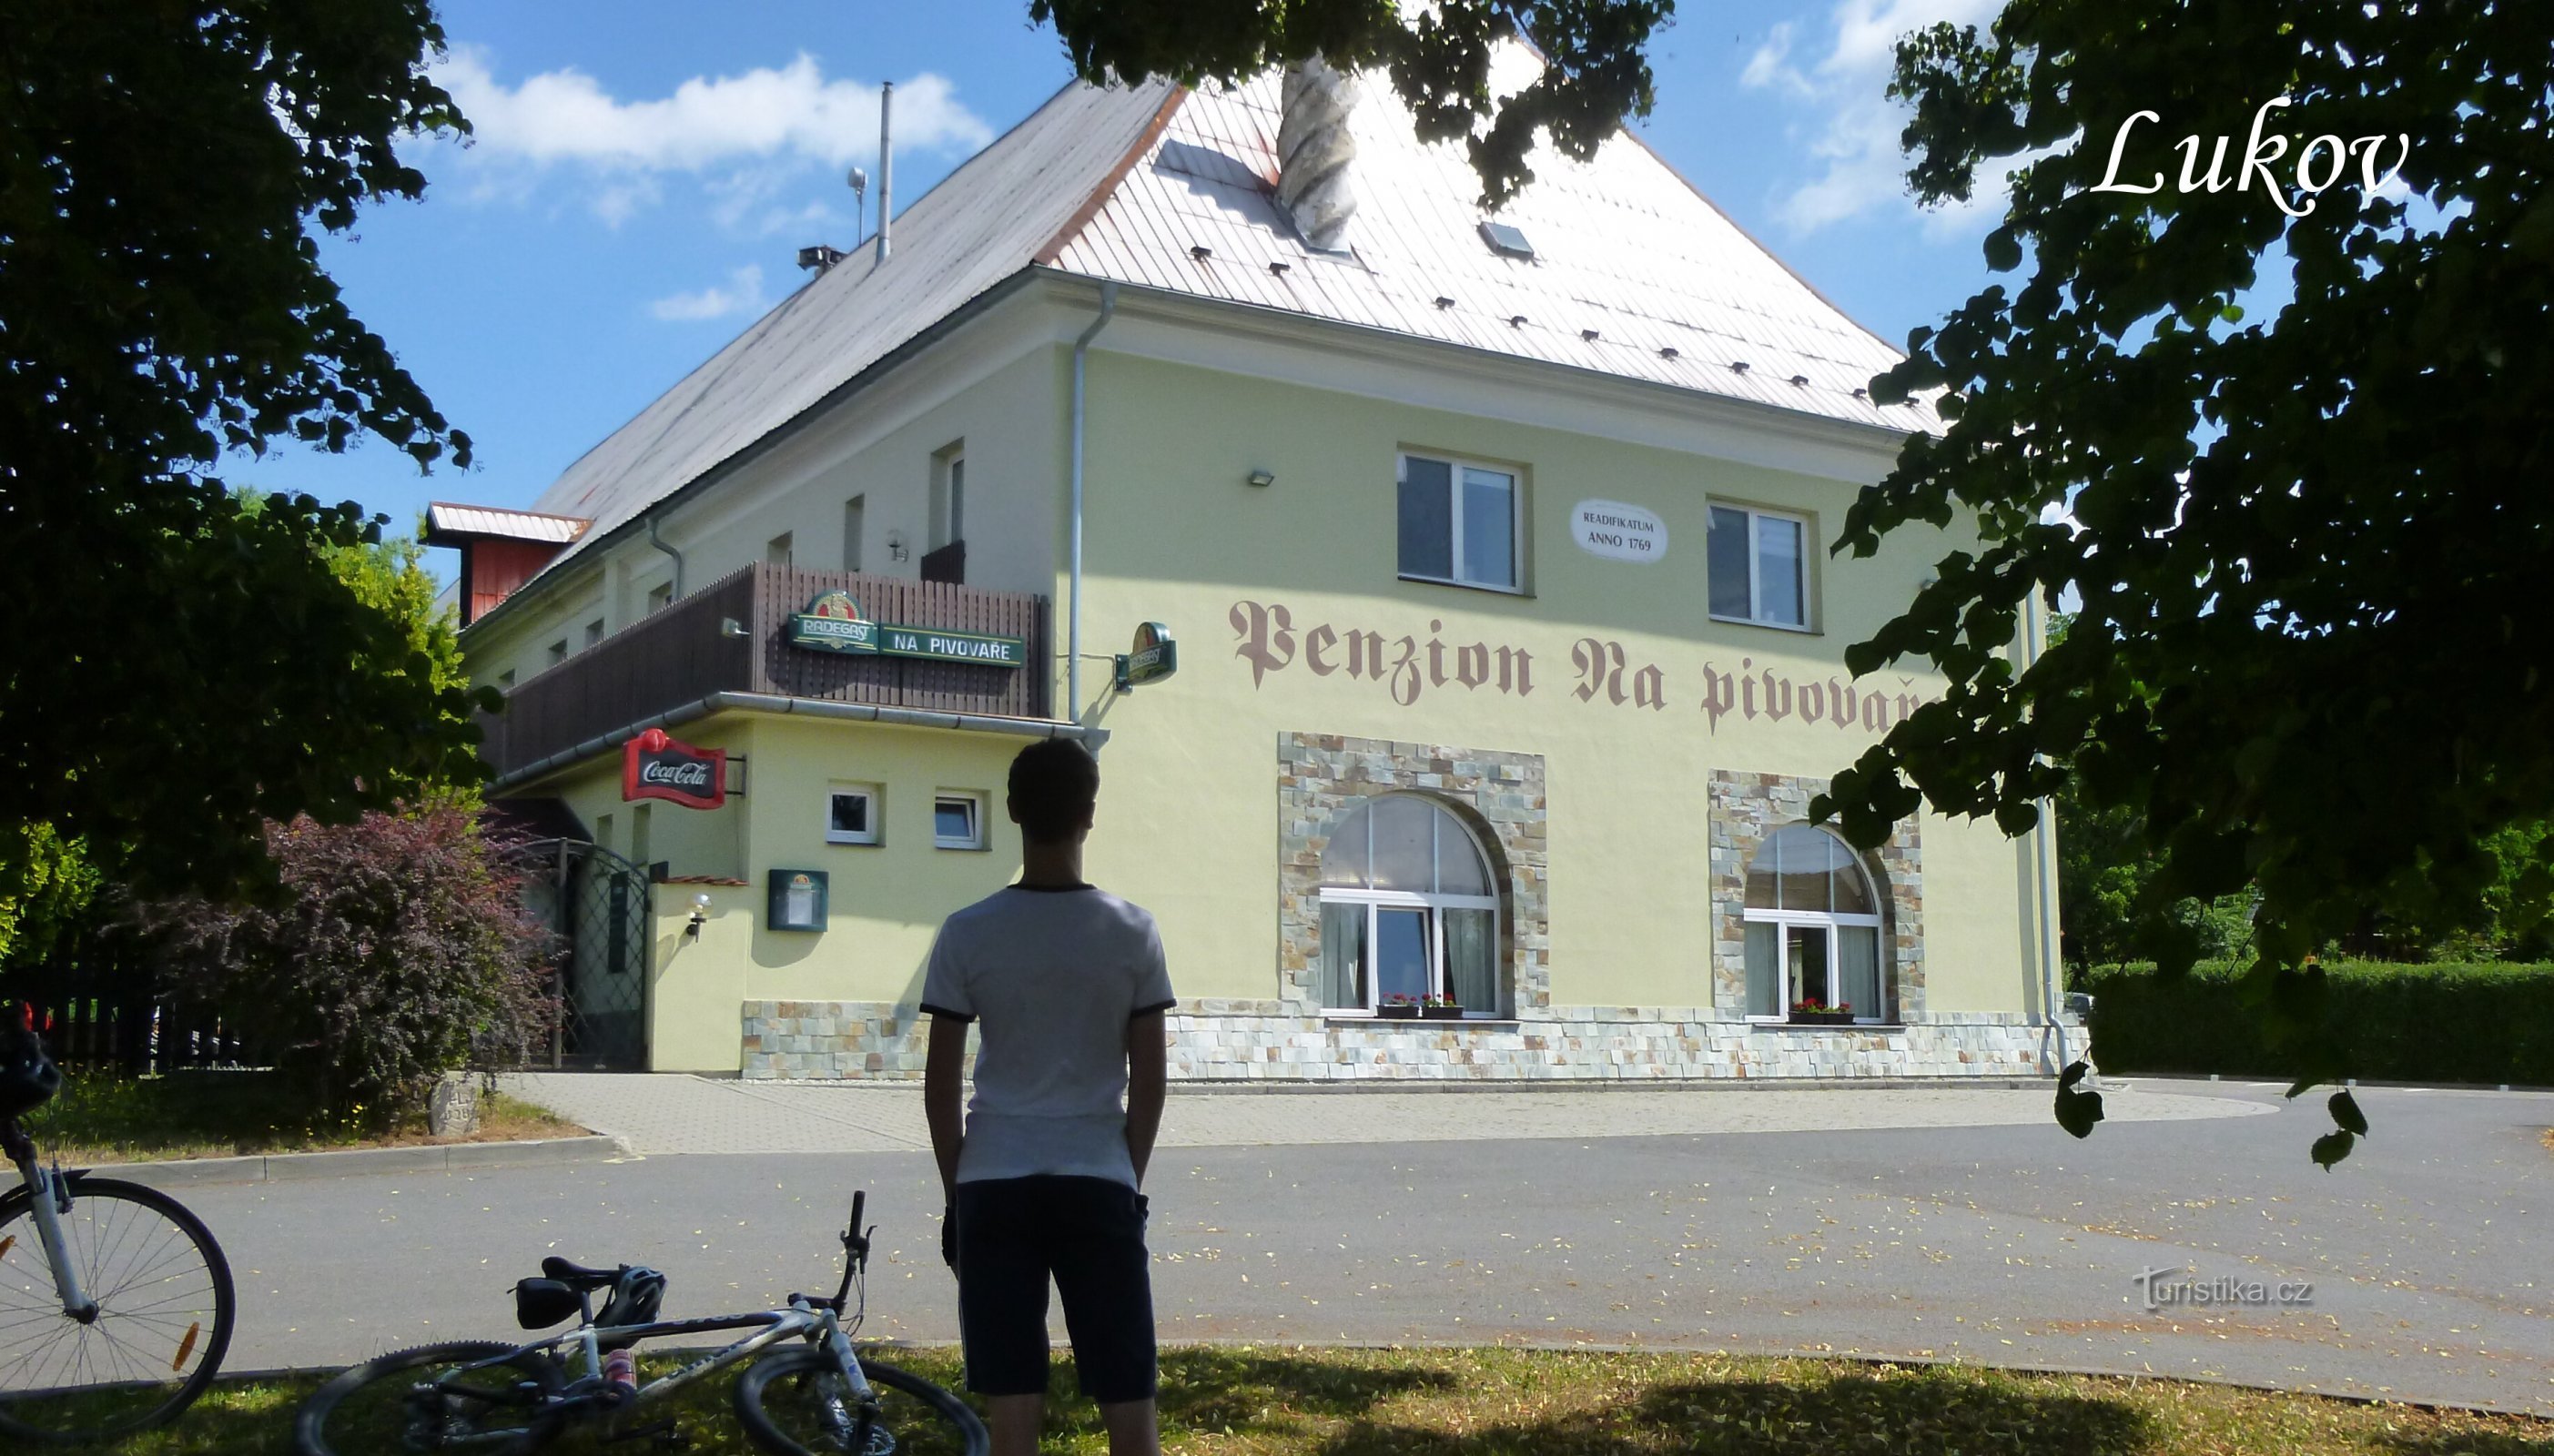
(132, 1035)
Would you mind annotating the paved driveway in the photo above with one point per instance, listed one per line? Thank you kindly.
(1997, 1241)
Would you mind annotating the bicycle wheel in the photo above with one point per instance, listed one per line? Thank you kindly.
(423, 1399)
(162, 1322)
(797, 1402)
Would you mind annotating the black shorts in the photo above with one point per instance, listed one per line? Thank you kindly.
(1087, 1234)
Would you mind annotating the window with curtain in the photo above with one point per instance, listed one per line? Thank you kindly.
(1409, 911)
(1813, 929)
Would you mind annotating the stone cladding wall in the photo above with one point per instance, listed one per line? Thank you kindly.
(1262, 1041)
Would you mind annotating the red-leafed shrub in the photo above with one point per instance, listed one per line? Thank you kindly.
(398, 951)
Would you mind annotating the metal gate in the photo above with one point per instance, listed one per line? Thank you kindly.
(596, 903)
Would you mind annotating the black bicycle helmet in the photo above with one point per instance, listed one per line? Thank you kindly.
(636, 1297)
(28, 1077)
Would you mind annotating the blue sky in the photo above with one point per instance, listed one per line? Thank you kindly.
(644, 171)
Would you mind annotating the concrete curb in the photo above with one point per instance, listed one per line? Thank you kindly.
(277, 1167)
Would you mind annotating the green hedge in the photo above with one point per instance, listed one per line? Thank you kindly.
(2434, 1023)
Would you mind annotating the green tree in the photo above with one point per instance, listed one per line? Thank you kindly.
(2310, 546)
(1595, 70)
(183, 669)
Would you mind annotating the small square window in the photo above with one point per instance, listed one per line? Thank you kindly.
(781, 549)
(558, 652)
(958, 822)
(1759, 567)
(594, 633)
(1458, 523)
(660, 597)
(506, 679)
(852, 815)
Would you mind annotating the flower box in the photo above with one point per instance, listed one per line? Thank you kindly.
(1441, 1013)
(1821, 1018)
(1397, 1013)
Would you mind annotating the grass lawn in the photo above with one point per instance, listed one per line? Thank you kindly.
(100, 1119)
(1282, 1400)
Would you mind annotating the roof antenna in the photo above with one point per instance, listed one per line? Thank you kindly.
(887, 161)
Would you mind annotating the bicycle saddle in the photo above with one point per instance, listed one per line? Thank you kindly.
(577, 1275)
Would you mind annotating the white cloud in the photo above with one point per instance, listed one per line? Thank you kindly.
(1861, 169)
(742, 295)
(791, 118)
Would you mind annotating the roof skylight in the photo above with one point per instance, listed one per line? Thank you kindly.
(1506, 241)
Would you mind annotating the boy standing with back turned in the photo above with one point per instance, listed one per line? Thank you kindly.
(1069, 986)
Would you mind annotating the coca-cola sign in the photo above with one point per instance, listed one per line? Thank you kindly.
(653, 766)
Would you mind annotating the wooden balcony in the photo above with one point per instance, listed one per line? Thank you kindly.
(683, 654)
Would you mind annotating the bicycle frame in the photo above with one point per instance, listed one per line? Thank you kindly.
(50, 1198)
(580, 1351)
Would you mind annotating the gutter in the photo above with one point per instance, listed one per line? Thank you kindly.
(654, 540)
(2042, 871)
(1073, 620)
(1024, 727)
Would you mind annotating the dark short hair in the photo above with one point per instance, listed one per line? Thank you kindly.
(1054, 784)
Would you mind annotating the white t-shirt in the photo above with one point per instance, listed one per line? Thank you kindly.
(1052, 977)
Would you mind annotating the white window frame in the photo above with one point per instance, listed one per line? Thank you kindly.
(1755, 583)
(868, 792)
(974, 803)
(1817, 920)
(1433, 902)
(1457, 464)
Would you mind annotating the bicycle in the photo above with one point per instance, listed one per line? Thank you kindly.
(116, 1313)
(816, 1396)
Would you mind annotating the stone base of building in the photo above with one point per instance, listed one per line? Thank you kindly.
(1259, 1041)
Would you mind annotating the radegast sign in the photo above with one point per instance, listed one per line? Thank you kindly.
(653, 766)
(833, 623)
(1154, 657)
(1409, 667)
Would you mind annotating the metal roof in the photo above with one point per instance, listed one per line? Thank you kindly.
(982, 223)
(1635, 274)
(1629, 260)
(447, 523)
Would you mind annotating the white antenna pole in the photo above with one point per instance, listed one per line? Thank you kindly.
(886, 162)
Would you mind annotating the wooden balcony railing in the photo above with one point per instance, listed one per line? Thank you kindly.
(684, 653)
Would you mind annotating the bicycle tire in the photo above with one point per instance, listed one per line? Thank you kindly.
(358, 1428)
(918, 1417)
(152, 1294)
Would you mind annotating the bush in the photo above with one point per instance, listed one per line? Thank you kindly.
(398, 949)
(2439, 1022)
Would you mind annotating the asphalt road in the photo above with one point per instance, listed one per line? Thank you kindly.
(2013, 1245)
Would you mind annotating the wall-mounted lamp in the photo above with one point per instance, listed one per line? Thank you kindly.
(895, 551)
(1261, 478)
(700, 916)
(729, 627)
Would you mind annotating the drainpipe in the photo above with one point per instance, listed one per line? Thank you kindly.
(2043, 872)
(1073, 619)
(655, 541)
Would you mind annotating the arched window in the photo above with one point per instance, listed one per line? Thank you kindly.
(1812, 927)
(1408, 911)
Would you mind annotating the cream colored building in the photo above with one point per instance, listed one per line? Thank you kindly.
(1509, 650)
